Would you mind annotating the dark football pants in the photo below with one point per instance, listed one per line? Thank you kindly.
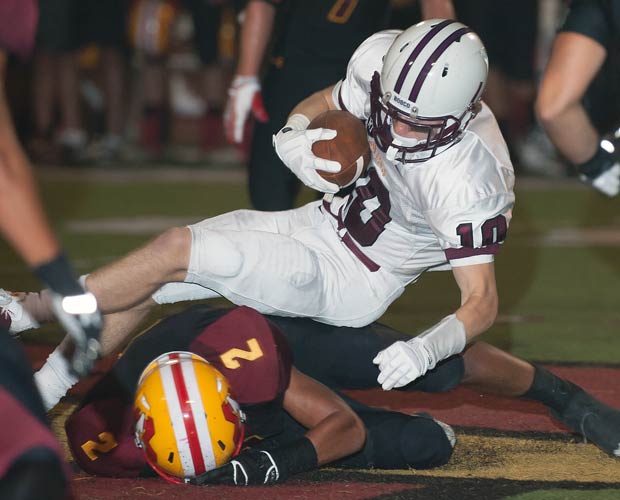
(341, 357)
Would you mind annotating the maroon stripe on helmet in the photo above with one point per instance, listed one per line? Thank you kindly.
(443, 46)
(188, 418)
(416, 52)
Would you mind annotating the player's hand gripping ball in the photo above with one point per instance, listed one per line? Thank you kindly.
(349, 148)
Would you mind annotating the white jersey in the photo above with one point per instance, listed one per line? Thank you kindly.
(451, 210)
(343, 261)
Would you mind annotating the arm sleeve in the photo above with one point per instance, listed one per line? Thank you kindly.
(475, 234)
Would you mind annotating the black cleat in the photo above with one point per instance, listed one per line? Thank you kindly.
(594, 420)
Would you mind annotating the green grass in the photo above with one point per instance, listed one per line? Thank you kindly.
(557, 303)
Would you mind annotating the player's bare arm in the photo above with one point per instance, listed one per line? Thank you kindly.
(334, 428)
(293, 142)
(403, 362)
(479, 299)
(317, 103)
(244, 93)
(24, 225)
(20, 206)
(574, 62)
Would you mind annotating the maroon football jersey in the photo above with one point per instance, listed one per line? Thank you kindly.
(241, 343)
(21, 431)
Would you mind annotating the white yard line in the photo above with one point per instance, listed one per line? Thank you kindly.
(233, 174)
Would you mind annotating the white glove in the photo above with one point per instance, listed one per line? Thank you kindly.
(607, 182)
(403, 362)
(244, 97)
(82, 320)
(293, 144)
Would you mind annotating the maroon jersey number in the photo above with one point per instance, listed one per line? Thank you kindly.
(493, 231)
(363, 221)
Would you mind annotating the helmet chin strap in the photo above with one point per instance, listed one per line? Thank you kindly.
(400, 141)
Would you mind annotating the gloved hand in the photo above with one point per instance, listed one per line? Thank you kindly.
(244, 97)
(80, 317)
(602, 172)
(76, 310)
(402, 363)
(293, 143)
(248, 468)
(607, 181)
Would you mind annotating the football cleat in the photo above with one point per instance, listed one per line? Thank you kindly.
(596, 421)
(13, 316)
(448, 430)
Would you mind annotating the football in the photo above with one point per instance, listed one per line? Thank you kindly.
(349, 148)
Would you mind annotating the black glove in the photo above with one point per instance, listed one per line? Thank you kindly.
(248, 468)
(255, 466)
(76, 311)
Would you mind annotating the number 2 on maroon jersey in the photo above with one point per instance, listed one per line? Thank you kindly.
(493, 231)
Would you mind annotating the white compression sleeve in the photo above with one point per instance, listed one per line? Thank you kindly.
(442, 340)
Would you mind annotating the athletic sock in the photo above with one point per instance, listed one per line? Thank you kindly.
(39, 306)
(54, 378)
(550, 390)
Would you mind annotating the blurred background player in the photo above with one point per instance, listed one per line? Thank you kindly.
(65, 28)
(578, 99)
(509, 31)
(163, 89)
(292, 422)
(30, 459)
(311, 48)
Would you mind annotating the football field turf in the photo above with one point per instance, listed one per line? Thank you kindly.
(559, 284)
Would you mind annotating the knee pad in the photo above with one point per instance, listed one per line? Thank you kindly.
(425, 443)
(219, 255)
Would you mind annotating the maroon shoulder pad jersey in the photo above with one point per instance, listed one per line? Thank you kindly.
(241, 343)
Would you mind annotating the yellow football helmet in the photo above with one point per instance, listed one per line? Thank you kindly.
(185, 419)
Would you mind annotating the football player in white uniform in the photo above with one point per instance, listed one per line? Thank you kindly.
(437, 195)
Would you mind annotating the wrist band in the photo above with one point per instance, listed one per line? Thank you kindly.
(58, 275)
(298, 456)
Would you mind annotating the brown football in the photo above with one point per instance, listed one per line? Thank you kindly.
(349, 148)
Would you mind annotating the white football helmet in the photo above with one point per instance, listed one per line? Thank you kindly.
(432, 78)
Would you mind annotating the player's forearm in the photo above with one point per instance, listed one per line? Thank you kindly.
(572, 133)
(22, 220)
(337, 436)
(315, 104)
(478, 312)
(255, 35)
(334, 428)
